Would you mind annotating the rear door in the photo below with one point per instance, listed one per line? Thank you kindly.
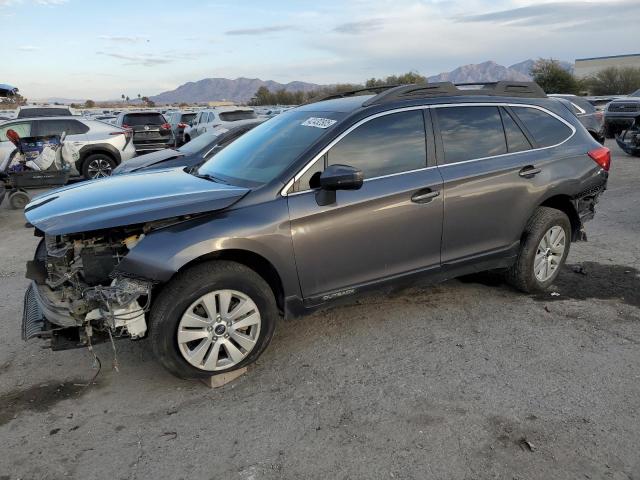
(493, 178)
(391, 226)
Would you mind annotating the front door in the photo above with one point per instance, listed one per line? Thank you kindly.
(390, 227)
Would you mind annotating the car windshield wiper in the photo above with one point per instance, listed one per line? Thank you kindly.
(207, 176)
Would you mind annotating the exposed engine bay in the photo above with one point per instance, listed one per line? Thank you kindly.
(81, 294)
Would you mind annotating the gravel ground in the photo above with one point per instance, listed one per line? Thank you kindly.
(464, 380)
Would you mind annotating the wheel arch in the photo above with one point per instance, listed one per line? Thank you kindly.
(249, 259)
(104, 149)
(565, 204)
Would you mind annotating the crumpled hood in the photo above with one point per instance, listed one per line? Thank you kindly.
(127, 200)
(146, 160)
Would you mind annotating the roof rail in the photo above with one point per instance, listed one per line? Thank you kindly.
(503, 88)
(351, 93)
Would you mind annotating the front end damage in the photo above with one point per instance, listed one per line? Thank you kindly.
(76, 298)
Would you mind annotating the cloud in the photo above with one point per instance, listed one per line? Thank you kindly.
(150, 59)
(363, 26)
(261, 30)
(28, 48)
(51, 2)
(123, 39)
(555, 13)
(146, 60)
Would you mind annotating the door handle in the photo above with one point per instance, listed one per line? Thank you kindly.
(424, 196)
(529, 171)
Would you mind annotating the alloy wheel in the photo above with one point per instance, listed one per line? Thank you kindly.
(99, 168)
(219, 330)
(549, 253)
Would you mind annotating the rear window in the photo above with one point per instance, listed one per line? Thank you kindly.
(471, 132)
(545, 129)
(238, 115)
(43, 112)
(187, 117)
(136, 119)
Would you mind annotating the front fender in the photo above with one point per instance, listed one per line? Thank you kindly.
(262, 229)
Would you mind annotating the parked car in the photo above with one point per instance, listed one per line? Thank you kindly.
(314, 206)
(151, 131)
(211, 118)
(34, 111)
(179, 121)
(191, 154)
(589, 116)
(620, 114)
(102, 146)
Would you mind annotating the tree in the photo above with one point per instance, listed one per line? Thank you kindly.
(123, 97)
(549, 74)
(614, 81)
(138, 96)
(404, 79)
(127, 99)
(89, 104)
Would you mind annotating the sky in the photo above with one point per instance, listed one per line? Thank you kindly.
(100, 49)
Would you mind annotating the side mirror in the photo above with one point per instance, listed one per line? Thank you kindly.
(341, 177)
(337, 177)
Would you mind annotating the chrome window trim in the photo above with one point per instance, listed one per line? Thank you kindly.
(285, 190)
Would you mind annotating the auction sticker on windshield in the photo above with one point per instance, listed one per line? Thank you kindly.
(318, 122)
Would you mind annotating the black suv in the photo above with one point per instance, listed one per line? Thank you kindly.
(318, 204)
(151, 131)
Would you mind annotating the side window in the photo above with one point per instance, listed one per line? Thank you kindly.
(311, 178)
(516, 140)
(389, 144)
(23, 129)
(470, 132)
(212, 117)
(545, 129)
(46, 128)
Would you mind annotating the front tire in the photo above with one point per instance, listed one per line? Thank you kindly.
(211, 319)
(543, 251)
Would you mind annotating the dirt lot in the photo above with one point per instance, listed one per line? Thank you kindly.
(464, 380)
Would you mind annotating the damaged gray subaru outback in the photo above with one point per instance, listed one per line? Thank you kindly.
(323, 202)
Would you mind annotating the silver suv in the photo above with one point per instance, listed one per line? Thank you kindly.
(208, 120)
(102, 146)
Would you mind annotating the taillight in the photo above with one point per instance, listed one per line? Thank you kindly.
(182, 125)
(123, 132)
(602, 156)
(165, 126)
(124, 125)
(599, 115)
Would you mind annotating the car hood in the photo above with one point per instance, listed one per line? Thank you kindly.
(146, 160)
(127, 200)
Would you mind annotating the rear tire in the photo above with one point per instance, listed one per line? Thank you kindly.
(98, 165)
(543, 250)
(189, 317)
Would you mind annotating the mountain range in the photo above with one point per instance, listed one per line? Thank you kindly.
(239, 90)
(242, 89)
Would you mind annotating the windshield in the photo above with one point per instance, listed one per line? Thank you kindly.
(238, 115)
(635, 94)
(265, 152)
(44, 112)
(201, 142)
